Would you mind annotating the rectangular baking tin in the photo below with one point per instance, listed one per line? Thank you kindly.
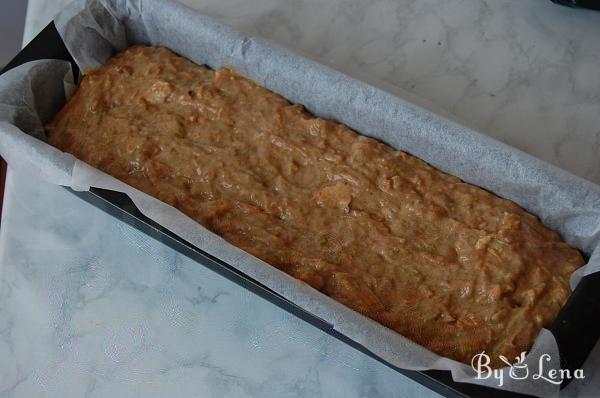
(575, 329)
(591, 4)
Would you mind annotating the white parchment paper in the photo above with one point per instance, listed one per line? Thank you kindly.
(93, 30)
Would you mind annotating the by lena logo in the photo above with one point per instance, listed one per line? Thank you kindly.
(519, 370)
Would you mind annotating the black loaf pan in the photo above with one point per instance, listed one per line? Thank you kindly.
(591, 4)
(576, 328)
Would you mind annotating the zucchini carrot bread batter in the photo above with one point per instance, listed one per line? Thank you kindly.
(445, 263)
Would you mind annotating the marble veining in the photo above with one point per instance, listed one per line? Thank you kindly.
(90, 307)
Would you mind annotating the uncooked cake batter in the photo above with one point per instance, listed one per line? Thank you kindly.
(446, 264)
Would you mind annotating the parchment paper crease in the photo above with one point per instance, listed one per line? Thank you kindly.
(93, 30)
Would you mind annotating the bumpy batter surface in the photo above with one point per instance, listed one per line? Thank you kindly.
(447, 264)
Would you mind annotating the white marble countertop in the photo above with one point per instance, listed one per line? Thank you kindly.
(90, 307)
